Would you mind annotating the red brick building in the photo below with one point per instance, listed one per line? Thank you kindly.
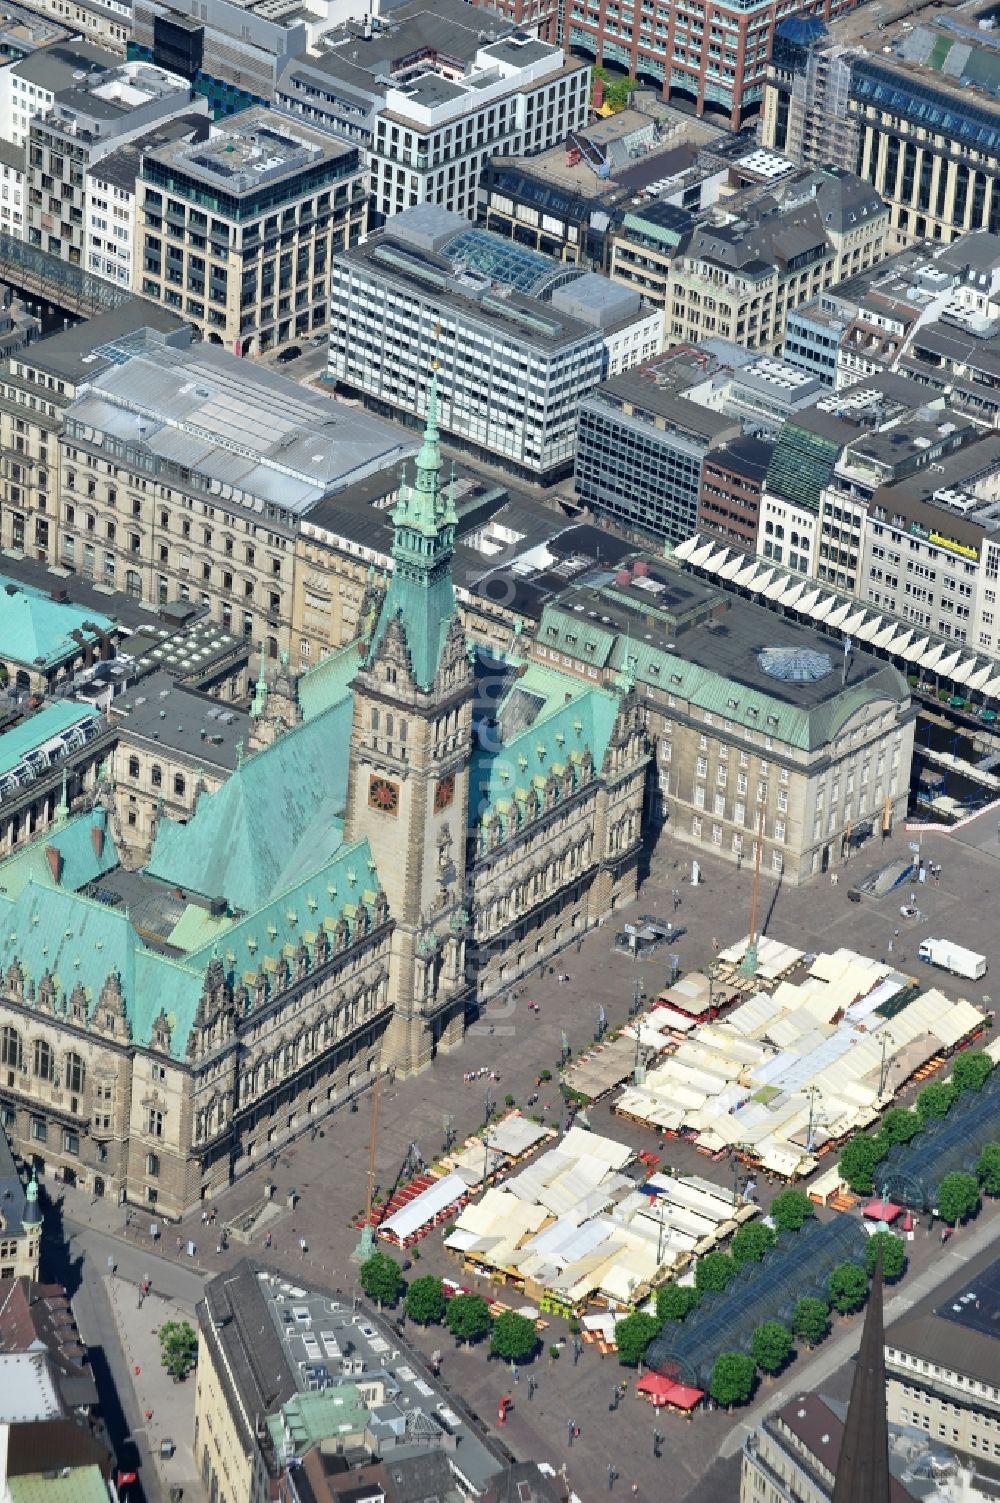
(732, 482)
(541, 16)
(708, 54)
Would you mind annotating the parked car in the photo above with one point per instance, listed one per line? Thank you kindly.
(292, 353)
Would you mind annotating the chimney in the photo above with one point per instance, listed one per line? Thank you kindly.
(54, 857)
(97, 840)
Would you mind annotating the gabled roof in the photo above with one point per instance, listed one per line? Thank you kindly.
(244, 838)
(86, 850)
(328, 682)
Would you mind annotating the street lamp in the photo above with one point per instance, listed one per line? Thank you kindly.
(712, 972)
(812, 1092)
(884, 1068)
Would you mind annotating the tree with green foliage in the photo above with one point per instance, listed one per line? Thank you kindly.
(988, 1169)
(771, 1346)
(178, 1348)
(791, 1209)
(971, 1070)
(425, 1301)
(514, 1337)
(899, 1126)
(381, 1279)
(733, 1378)
(633, 1335)
(751, 1242)
(617, 90)
(957, 1198)
(893, 1250)
(847, 1287)
(935, 1100)
(811, 1320)
(713, 1272)
(674, 1301)
(859, 1158)
(467, 1317)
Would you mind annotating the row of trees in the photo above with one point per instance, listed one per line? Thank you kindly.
(734, 1374)
(862, 1154)
(467, 1316)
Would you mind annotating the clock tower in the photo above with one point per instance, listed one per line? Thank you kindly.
(408, 782)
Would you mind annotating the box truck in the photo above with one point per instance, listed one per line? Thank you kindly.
(949, 957)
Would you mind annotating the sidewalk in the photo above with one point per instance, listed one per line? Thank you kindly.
(167, 1407)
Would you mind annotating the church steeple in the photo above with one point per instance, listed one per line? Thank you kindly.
(863, 1465)
(420, 594)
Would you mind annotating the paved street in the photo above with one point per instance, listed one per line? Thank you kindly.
(78, 1254)
(328, 1169)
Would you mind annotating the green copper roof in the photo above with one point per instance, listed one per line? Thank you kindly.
(79, 941)
(34, 626)
(564, 719)
(308, 1419)
(277, 814)
(801, 465)
(83, 1484)
(37, 729)
(328, 681)
(420, 594)
(79, 862)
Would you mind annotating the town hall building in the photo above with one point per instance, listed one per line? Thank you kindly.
(317, 916)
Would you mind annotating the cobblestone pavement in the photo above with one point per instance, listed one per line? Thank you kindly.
(328, 1167)
(166, 1407)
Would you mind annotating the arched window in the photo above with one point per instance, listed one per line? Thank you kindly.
(272, 647)
(10, 1048)
(76, 1074)
(44, 1060)
(156, 775)
(179, 784)
(133, 767)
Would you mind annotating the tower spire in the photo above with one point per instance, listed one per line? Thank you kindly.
(62, 808)
(420, 593)
(259, 701)
(863, 1465)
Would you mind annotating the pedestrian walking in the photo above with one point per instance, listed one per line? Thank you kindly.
(302, 1245)
(178, 1244)
(267, 1240)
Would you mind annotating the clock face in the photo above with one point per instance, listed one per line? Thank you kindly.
(444, 792)
(383, 794)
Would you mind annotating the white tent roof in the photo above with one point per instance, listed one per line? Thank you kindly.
(425, 1206)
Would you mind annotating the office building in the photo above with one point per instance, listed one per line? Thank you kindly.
(834, 97)
(109, 219)
(942, 1366)
(732, 488)
(744, 710)
(12, 190)
(499, 319)
(239, 454)
(712, 58)
(432, 96)
(36, 385)
(570, 200)
(83, 124)
(640, 448)
(359, 1420)
(29, 85)
(105, 23)
(866, 325)
(228, 52)
(738, 274)
(239, 233)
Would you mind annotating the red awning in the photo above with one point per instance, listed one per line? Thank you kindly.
(664, 1391)
(882, 1210)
